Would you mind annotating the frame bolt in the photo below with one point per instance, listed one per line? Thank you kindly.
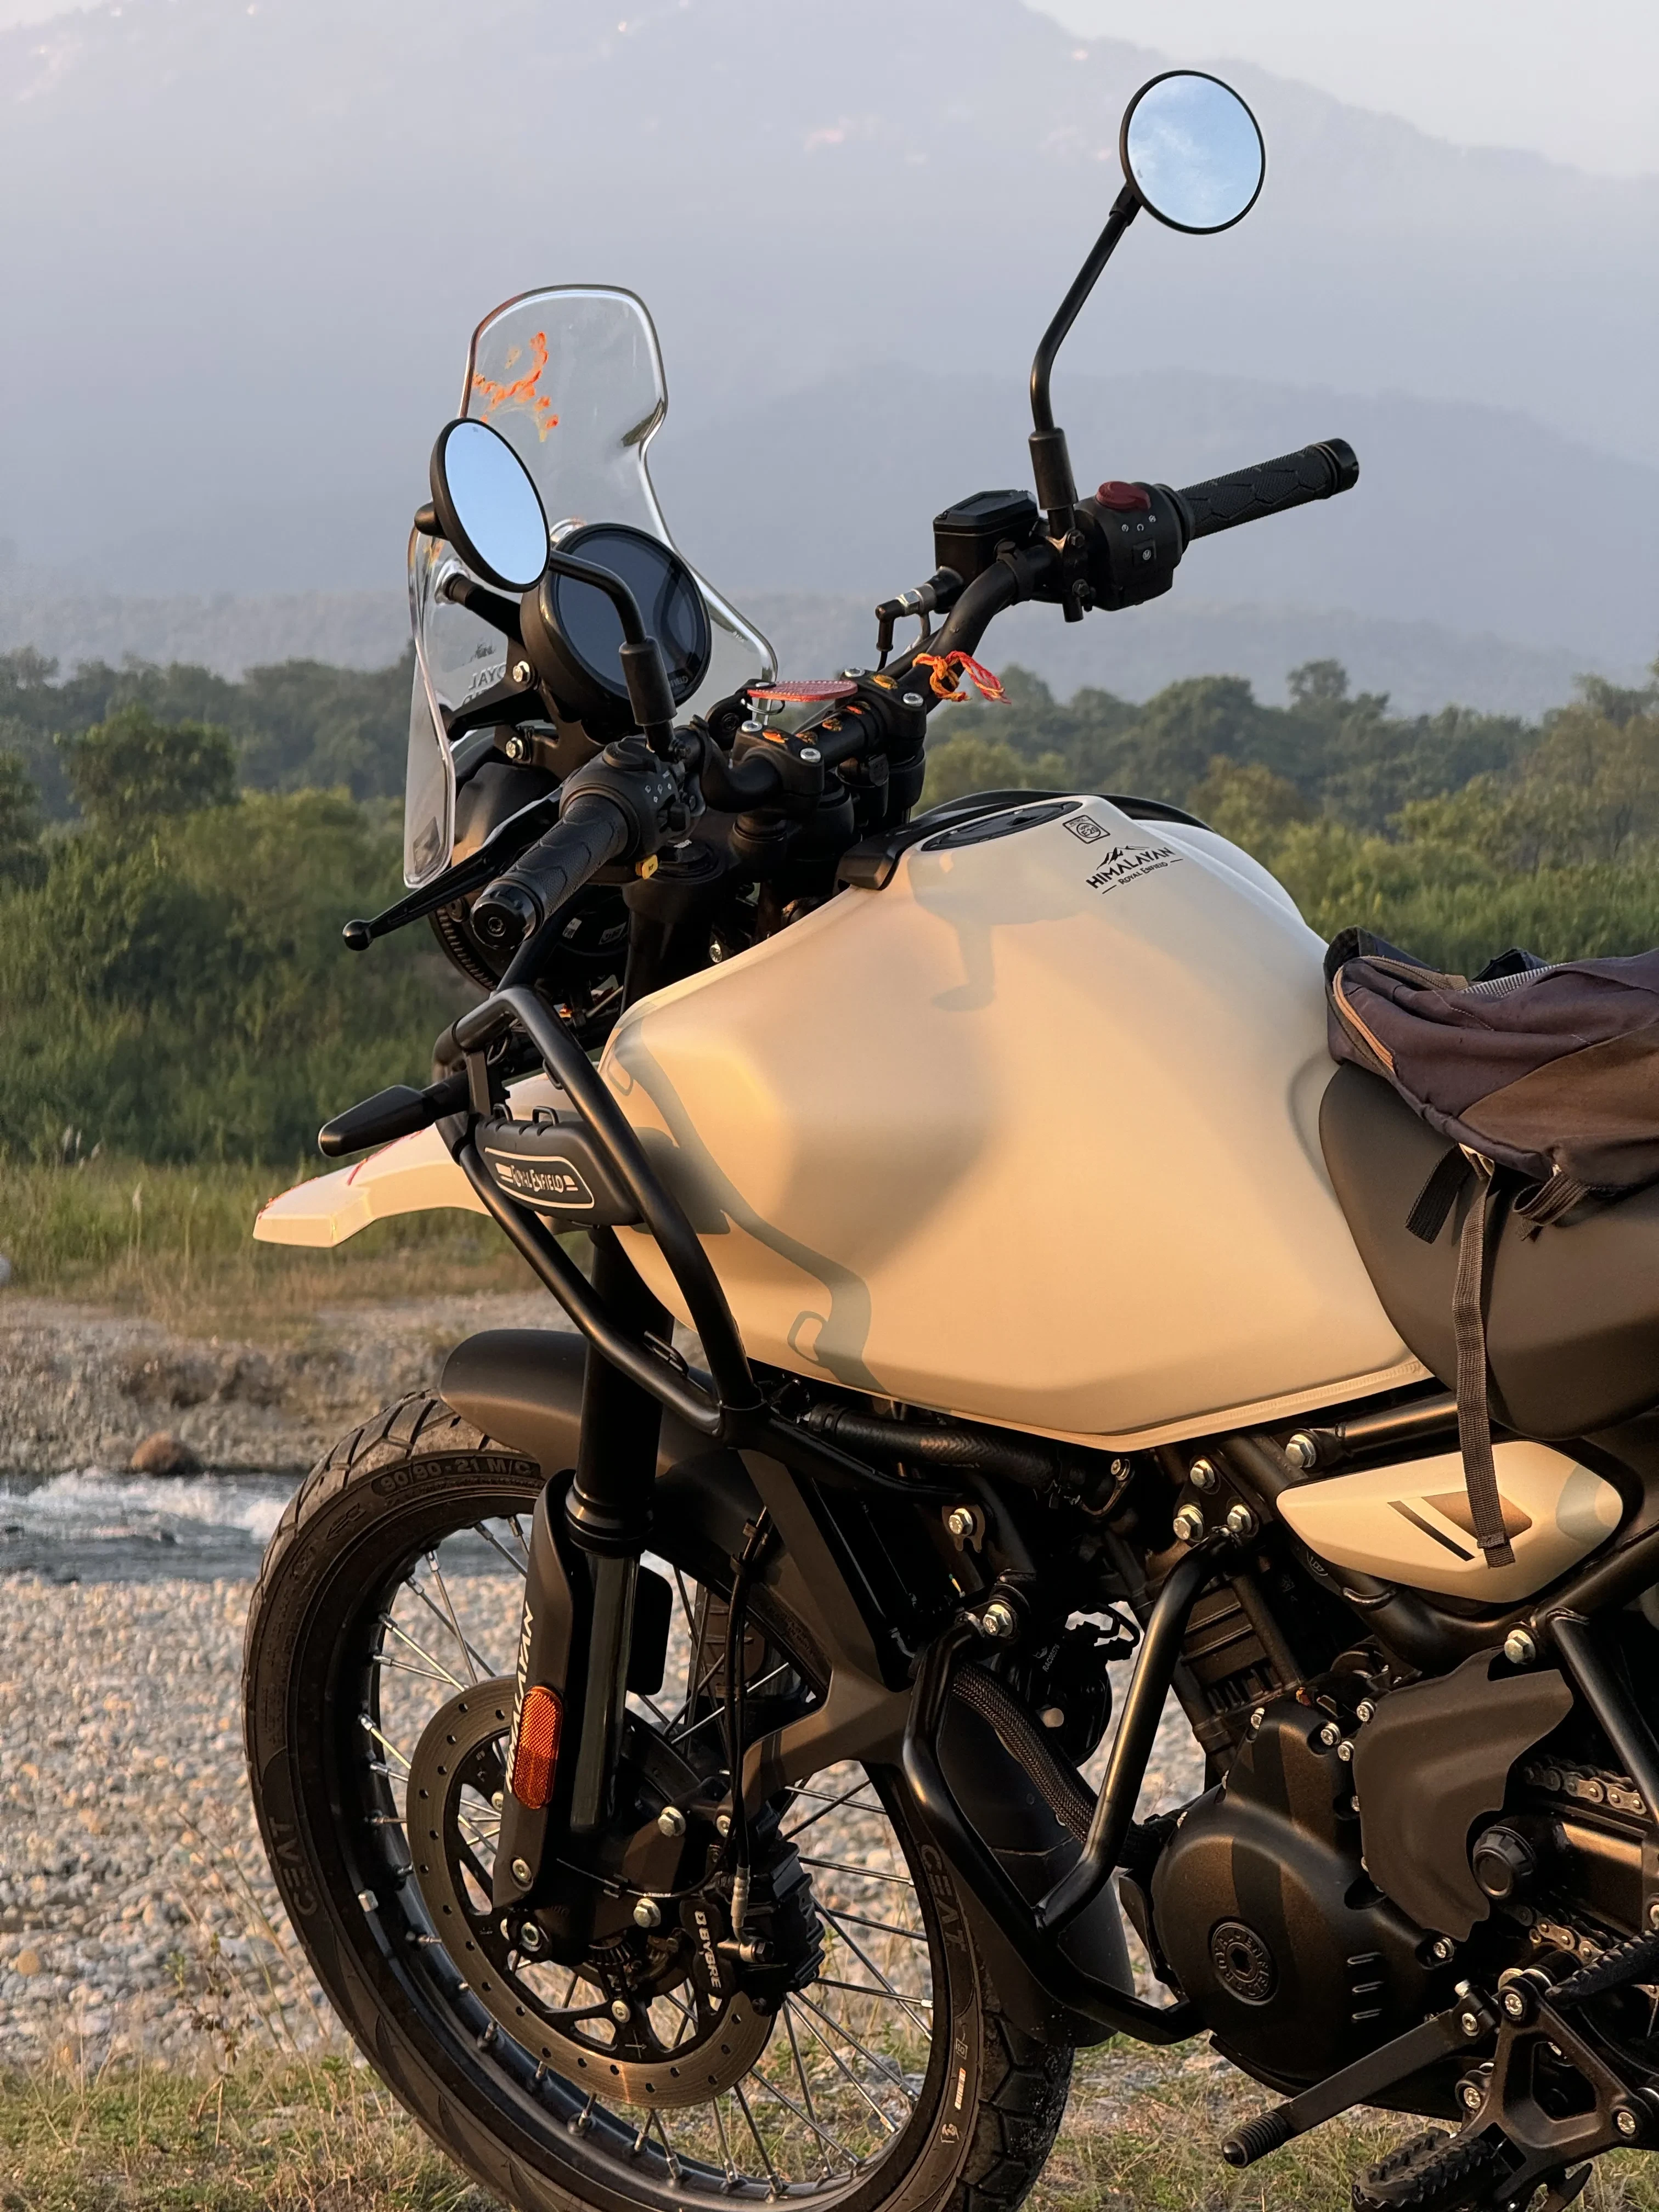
(1301, 1451)
(1653, 1914)
(960, 1520)
(912, 700)
(1258, 1714)
(1330, 1735)
(521, 671)
(1519, 1648)
(1627, 2122)
(998, 1620)
(1469, 2022)
(647, 1913)
(1241, 1521)
(1442, 1950)
(670, 1821)
(1201, 1475)
(1345, 1751)
(723, 1824)
(523, 1873)
(1364, 1710)
(530, 1936)
(1515, 2004)
(1470, 2093)
(621, 2010)
(810, 755)
(1188, 1523)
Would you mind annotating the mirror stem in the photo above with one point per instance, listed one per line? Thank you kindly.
(650, 696)
(1050, 461)
(1125, 208)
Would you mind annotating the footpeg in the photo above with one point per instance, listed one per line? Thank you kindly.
(1429, 2172)
(1469, 2020)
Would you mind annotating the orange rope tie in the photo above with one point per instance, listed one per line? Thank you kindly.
(943, 669)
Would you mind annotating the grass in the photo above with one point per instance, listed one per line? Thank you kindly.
(273, 2134)
(175, 1242)
(325, 2136)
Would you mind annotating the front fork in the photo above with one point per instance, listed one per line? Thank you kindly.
(576, 1630)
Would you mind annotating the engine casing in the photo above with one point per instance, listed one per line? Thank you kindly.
(1261, 1908)
(1030, 1134)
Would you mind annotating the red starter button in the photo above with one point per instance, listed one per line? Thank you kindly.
(1124, 498)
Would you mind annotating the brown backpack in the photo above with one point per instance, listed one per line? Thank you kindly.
(1544, 1079)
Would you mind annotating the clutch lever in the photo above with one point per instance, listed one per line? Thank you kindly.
(501, 847)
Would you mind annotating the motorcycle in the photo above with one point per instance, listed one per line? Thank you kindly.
(668, 1735)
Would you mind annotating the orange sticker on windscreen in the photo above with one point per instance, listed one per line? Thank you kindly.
(521, 391)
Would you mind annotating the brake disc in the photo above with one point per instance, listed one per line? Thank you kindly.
(609, 2043)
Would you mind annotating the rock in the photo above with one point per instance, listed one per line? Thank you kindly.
(164, 1453)
(28, 1963)
(5, 1271)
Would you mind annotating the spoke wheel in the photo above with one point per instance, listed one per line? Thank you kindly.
(665, 2044)
(379, 1698)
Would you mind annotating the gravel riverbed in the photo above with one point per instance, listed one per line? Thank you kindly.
(81, 1386)
(135, 1910)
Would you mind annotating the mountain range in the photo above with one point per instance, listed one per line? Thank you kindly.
(249, 241)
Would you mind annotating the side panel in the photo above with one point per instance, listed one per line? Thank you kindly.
(1411, 1523)
(1030, 1134)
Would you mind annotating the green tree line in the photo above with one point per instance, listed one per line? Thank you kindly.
(172, 985)
(177, 853)
(1455, 835)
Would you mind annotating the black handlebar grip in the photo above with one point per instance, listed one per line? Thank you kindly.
(1270, 488)
(581, 842)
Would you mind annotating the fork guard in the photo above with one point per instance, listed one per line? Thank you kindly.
(523, 1388)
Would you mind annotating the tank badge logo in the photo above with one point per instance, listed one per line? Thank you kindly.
(1086, 829)
(1127, 864)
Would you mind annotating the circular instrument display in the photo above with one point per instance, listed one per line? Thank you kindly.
(586, 630)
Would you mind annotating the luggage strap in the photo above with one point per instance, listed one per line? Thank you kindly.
(1426, 1219)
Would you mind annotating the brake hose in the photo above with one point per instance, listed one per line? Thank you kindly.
(759, 1536)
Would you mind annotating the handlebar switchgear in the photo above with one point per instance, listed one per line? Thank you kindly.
(620, 807)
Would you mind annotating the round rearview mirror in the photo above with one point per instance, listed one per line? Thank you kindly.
(1192, 151)
(487, 505)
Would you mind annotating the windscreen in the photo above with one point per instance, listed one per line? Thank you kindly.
(573, 379)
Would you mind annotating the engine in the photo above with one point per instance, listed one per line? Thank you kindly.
(1262, 1902)
(1261, 1912)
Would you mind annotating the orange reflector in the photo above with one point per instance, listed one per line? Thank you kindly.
(536, 1753)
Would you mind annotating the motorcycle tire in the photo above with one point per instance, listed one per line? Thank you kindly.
(372, 1602)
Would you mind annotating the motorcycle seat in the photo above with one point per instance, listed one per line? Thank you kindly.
(1572, 1312)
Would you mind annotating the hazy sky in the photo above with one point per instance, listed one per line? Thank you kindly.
(1574, 79)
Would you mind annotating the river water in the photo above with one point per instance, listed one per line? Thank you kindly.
(99, 1526)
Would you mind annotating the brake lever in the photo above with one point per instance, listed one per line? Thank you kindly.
(503, 845)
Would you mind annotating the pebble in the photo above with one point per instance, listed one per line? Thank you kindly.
(163, 1453)
(137, 1910)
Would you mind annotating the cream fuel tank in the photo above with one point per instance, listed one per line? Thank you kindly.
(1030, 1134)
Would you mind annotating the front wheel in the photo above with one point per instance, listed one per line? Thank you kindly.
(378, 1697)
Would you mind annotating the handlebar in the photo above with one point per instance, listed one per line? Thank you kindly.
(588, 835)
(1269, 487)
